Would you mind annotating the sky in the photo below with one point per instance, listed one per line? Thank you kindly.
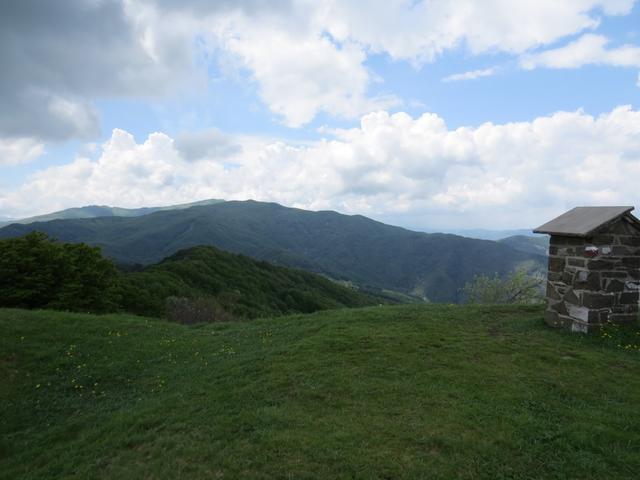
(432, 114)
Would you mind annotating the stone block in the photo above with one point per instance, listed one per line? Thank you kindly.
(553, 250)
(601, 239)
(551, 318)
(631, 262)
(620, 227)
(567, 278)
(552, 292)
(565, 321)
(633, 274)
(632, 285)
(576, 262)
(584, 314)
(621, 318)
(622, 250)
(606, 250)
(580, 313)
(585, 280)
(614, 274)
(554, 276)
(597, 300)
(601, 264)
(613, 286)
(579, 327)
(556, 264)
(629, 298)
(559, 307)
(571, 297)
(559, 240)
(629, 240)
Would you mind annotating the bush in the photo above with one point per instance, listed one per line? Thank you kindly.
(189, 311)
(518, 287)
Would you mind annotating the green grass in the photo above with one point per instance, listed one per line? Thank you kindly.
(433, 392)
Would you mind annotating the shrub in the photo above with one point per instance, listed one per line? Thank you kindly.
(518, 287)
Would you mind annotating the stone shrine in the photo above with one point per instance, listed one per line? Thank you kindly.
(594, 268)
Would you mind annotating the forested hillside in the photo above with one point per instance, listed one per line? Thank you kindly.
(244, 287)
(354, 248)
(198, 284)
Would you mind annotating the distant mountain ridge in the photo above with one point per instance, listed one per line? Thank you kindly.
(94, 211)
(495, 235)
(538, 244)
(352, 248)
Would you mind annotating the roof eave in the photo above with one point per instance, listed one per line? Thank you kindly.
(561, 234)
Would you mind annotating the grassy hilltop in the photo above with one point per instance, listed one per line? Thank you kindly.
(434, 392)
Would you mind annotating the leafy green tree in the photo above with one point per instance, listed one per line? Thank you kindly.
(36, 272)
(518, 287)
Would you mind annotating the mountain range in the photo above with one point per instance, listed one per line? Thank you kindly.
(351, 248)
(93, 211)
(537, 245)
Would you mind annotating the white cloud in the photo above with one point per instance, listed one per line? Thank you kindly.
(471, 75)
(300, 75)
(413, 171)
(305, 57)
(638, 82)
(419, 31)
(14, 151)
(57, 57)
(589, 49)
(309, 57)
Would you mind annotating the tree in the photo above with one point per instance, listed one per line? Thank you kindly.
(36, 272)
(518, 287)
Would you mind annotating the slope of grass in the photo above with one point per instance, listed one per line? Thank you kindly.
(435, 392)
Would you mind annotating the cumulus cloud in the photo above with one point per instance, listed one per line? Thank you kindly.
(56, 57)
(300, 75)
(14, 151)
(309, 57)
(589, 49)
(305, 57)
(419, 31)
(471, 75)
(416, 171)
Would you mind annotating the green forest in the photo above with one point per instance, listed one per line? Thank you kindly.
(40, 273)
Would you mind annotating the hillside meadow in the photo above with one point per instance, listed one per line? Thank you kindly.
(393, 392)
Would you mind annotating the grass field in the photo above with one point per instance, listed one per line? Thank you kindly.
(431, 392)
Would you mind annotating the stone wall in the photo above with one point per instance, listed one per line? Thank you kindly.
(594, 280)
